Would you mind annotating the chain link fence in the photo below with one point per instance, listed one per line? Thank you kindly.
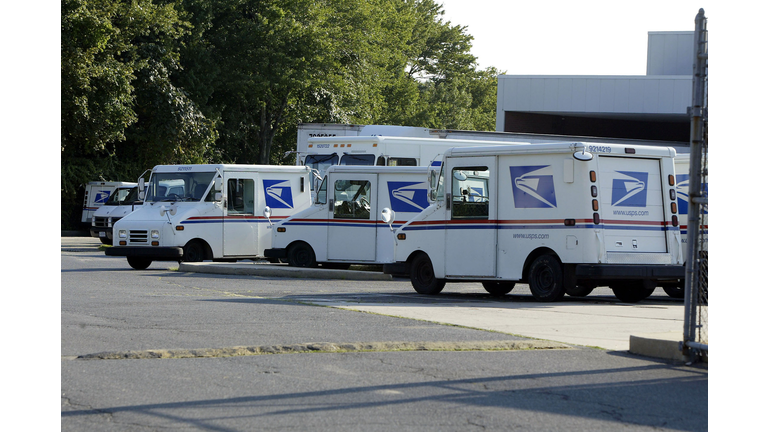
(696, 323)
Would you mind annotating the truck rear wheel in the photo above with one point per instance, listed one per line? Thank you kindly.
(632, 291)
(423, 276)
(545, 279)
(498, 288)
(139, 263)
(580, 290)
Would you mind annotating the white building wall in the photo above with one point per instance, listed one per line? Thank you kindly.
(666, 89)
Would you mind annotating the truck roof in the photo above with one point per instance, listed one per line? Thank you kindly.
(564, 147)
(377, 169)
(228, 167)
(402, 140)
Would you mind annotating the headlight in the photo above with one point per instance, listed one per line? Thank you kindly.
(155, 234)
(122, 234)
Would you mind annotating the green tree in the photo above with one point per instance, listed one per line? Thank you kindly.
(121, 112)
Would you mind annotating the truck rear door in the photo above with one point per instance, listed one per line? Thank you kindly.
(632, 205)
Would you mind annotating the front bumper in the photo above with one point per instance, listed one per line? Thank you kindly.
(170, 253)
(97, 232)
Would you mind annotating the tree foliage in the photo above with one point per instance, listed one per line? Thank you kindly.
(148, 82)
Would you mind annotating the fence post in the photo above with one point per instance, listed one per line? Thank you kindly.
(697, 197)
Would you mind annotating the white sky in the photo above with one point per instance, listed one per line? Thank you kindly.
(585, 37)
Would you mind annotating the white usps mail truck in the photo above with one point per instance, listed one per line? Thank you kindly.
(123, 200)
(560, 217)
(682, 174)
(96, 194)
(202, 212)
(382, 151)
(342, 227)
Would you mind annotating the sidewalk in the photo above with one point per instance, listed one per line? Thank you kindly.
(605, 326)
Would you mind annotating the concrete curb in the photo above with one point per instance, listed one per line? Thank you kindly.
(659, 345)
(277, 270)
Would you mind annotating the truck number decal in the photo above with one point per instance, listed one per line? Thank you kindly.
(598, 149)
(533, 186)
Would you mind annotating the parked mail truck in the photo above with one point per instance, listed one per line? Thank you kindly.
(381, 151)
(123, 200)
(342, 227)
(201, 212)
(554, 216)
(96, 194)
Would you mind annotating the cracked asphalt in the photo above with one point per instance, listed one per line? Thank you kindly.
(159, 349)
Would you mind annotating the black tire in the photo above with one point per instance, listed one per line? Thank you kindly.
(632, 291)
(336, 266)
(498, 288)
(139, 263)
(301, 255)
(423, 276)
(581, 290)
(545, 278)
(674, 291)
(106, 241)
(194, 251)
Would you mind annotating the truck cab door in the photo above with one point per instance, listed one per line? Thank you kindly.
(470, 236)
(240, 232)
(352, 217)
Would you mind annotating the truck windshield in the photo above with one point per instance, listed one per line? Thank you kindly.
(179, 186)
(321, 162)
(123, 196)
(357, 159)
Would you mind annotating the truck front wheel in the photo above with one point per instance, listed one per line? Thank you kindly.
(139, 263)
(423, 276)
(301, 255)
(545, 279)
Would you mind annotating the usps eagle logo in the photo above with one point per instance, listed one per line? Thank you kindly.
(277, 194)
(101, 196)
(533, 186)
(408, 196)
(629, 189)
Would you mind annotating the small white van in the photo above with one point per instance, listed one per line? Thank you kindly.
(209, 212)
(342, 226)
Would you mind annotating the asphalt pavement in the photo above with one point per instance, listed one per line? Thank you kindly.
(570, 322)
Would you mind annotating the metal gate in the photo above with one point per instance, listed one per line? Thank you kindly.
(695, 333)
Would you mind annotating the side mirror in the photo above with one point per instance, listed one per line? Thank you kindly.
(268, 214)
(218, 184)
(141, 188)
(388, 216)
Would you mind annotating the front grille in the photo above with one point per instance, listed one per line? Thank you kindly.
(100, 222)
(138, 236)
